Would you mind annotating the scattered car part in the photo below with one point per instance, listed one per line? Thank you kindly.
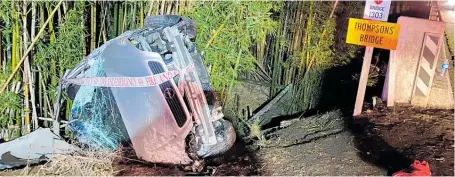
(32, 148)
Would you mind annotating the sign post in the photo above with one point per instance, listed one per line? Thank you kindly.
(374, 10)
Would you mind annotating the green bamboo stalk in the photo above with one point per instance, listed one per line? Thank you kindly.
(16, 112)
(298, 17)
(276, 72)
(16, 55)
(208, 44)
(28, 50)
(308, 29)
(322, 36)
(176, 7)
(59, 16)
(53, 38)
(150, 7)
(120, 19)
(104, 33)
(181, 6)
(169, 6)
(40, 76)
(3, 63)
(19, 112)
(141, 14)
(41, 95)
(92, 26)
(115, 31)
(51, 25)
(41, 14)
(234, 76)
(108, 27)
(162, 6)
(103, 26)
(14, 36)
(65, 7)
(84, 50)
(26, 75)
(48, 101)
(133, 23)
(124, 22)
(31, 78)
(69, 104)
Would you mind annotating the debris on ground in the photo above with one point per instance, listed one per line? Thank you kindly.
(237, 161)
(273, 108)
(301, 146)
(416, 169)
(33, 148)
(309, 128)
(92, 162)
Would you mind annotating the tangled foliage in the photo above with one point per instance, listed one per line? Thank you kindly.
(8, 100)
(245, 24)
(66, 51)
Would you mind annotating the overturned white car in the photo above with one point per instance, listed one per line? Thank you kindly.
(149, 87)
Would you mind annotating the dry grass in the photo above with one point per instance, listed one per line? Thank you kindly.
(81, 163)
(255, 130)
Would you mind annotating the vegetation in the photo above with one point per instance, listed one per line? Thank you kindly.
(228, 53)
(89, 162)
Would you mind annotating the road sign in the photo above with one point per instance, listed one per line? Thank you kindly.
(373, 33)
(376, 10)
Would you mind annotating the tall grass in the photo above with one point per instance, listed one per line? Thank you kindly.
(229, 53)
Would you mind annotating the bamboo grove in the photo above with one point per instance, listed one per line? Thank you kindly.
(272, 42)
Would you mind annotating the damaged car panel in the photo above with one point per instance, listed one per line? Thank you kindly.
(155, 117)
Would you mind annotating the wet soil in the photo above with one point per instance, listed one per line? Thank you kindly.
(395, 137)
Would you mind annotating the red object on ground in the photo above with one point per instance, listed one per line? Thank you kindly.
(418, 169)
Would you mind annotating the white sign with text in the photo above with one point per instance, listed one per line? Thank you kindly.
(377, 10)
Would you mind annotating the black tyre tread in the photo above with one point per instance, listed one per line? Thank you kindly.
(161, 20)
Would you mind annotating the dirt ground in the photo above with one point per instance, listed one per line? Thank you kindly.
(333, 155)
(379, 142)
(404, 134)
(238, 161)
